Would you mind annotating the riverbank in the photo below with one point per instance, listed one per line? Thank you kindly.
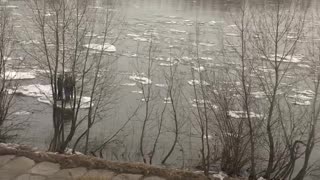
(18, 162)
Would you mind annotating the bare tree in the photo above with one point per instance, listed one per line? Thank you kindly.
(74, 57)
(8, 75)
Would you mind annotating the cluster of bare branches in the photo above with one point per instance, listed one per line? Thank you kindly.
(254, 108)
(73, 56)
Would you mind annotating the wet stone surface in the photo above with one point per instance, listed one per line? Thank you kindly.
(23, 168)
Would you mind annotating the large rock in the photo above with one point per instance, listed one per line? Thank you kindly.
(96, 173)
(72, 173)
(45, 168)
(4, 159)
(16, 167)
(30, 177)
(153, 178)
(128, 177)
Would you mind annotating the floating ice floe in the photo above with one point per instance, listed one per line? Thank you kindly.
(258, 95)
(261, 178)
(304, 66)
(211, 23)
(301, 103)
(137, 92)
(133, 35)
(178, 31)
(200, 103)
(243, 114)
(300, 97)
(141, 39)
(15, 75)
(140, 79)
(161, 85)
(48, 14)
(167, 64)
(44, 94)
(106, 47)
(209, 136)
(159, 59)
(21, 113)
(128, 84)
(197, 82)
(206, 58)
(232, 34)
(280, 58)
(90, 34)
(10, 7)
(167, 100)
(206, 44)
(170, 22)
(30, 42)
(199, 69)
(307, 92)
(13, 58)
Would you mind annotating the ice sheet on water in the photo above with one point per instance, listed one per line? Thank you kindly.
(199, 69)
(167, 64)
(301, 103)
(243, 114)
(197, 82)
(161, 85)
(178, 31)
(141, 39)
(306, 92)
(211, 23)
(137, 92)
(167, 100)
(140, 79)
(44, 94)
(6, 58)
(15, 75)
(30, 42)
(286, 59)
(300, 97)
(128, 84)
(21, 113)
(133, 35)
(106, 47)
(206, 44)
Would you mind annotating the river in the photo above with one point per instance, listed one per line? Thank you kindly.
(172, 22)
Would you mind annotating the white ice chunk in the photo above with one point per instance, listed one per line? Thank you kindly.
(243, 114)
(140, 79)
(128, 84)
(10, 75)
(199, 69)
(141, 39)
(21, 113)
(304, 103)
(133, 35)
(211, 23)
(197, 82)
(137, 92)
(178, 31)
(105, 47)
(161, 85)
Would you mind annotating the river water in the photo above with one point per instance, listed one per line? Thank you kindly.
(172, 22)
